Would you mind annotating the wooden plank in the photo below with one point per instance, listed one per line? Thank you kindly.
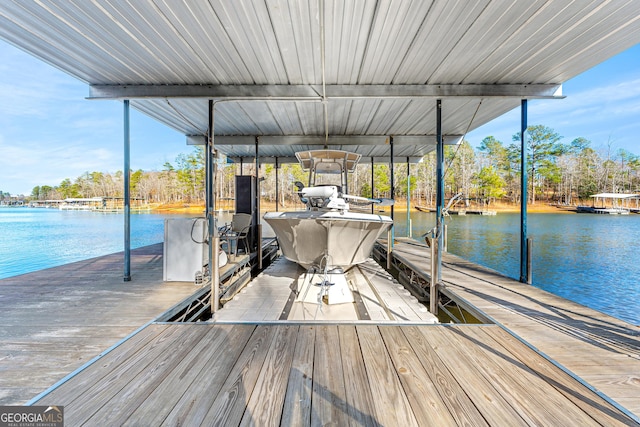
(83, 307)
(328, 401)
(68, 392)
(297, 404)
(489, 401)
(451, 392)
(428, 407)
(162, 399)
(267, 397)
(392, 405)
(532, 396)
(265, 297)
(229, 406)
(194, 404)
(584, 340)
(137, 389)
(600, 410)
(376, 306)
(400, 301)
(359, 401)
(631, 381)
(96, 396)
(632, 404)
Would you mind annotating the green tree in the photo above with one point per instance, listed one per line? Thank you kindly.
(490, 184)
(135, 179)
(190, 174)
(67, 189)
(542, 145)
(382, 181)
(496, 152)
(365, 190)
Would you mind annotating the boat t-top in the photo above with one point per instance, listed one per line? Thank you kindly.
(326, 234)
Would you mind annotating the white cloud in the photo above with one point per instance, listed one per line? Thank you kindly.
(600, 114)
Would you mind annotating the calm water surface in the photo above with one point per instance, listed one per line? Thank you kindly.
(33, 239)
(590, 259)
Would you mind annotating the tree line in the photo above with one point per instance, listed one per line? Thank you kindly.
(558, 172)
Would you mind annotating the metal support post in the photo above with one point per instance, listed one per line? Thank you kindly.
(215, 277)
(127, 195)
(446, 238)
(212, 230)
(389, 247)
(277, 200)
(435, 273)
(439, 185)
(208, 175)
(523, 192)
(256, 214)
(529, 257)
(372, 186)
(259, 238)
(393, 193)
(408, 199)
(345, 184)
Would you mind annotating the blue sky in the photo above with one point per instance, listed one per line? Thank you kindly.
(601, 105)
(49, 132)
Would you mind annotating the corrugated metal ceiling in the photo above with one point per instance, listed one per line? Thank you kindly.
(279, 44)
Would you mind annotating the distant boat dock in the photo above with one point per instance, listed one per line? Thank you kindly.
(460, 211)
(93, 204)
(620, 204)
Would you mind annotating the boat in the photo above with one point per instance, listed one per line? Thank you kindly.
(425, 209)
(327, 234)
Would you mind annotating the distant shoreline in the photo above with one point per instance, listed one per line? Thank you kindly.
(401, 206)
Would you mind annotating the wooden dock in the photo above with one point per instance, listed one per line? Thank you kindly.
(56, 320)
(459, 211)
(303, 374)
(382, 363)
(277, 293)
(601, 350)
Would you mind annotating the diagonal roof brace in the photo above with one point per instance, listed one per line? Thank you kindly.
(314, 92)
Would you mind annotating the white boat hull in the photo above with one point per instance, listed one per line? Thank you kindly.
(343, 238)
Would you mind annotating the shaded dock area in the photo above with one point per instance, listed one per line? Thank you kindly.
(56, 320)
(601, 350)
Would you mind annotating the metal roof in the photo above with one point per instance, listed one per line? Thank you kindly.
(304, 74)
(615, 195)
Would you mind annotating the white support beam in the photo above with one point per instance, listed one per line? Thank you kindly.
(313, 92)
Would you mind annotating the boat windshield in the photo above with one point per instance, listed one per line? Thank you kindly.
(328, 179)
(328, 167)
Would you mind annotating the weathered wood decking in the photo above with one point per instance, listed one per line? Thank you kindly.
(272, 296)
(55, 320)
(600, 349)
(293, 374)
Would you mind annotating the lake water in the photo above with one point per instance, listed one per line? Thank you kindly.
(33, 239)
(590, 259)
